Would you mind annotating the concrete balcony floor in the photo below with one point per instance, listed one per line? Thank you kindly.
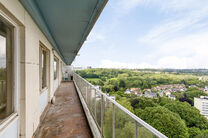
(65, 118)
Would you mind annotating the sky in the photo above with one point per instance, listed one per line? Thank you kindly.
(148, 34)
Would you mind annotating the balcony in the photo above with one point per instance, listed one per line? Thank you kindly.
(79, 103)
(64, 118)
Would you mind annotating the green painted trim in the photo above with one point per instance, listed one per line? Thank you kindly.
(35, 13)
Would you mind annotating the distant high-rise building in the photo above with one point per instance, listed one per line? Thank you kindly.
(202, 105)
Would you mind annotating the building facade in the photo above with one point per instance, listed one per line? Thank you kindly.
(39, 39)
(32, 59)
(33, 71)
(202, 105)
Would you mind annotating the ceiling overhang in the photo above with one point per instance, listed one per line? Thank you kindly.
(65, 23)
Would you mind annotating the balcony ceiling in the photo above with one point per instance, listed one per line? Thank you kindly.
(65, 23)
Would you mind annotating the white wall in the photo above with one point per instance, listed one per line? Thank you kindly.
(43, 100)
(31, 102)
(55, 85)
(11, 131)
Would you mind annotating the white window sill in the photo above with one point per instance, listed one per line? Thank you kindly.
(7, 121)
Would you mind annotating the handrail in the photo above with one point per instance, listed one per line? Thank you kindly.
(133, 116)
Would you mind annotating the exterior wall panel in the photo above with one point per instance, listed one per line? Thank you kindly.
(43, 100)
(11, 131)
(31, 101)
(55, 85)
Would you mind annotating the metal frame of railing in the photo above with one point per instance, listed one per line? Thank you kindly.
(84, 85)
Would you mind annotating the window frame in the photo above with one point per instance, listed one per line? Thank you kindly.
(42, 48)
(9, 38)
(16, 30)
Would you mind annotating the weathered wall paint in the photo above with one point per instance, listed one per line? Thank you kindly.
(33, 101)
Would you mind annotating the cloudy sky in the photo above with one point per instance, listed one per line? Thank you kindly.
(148, 34)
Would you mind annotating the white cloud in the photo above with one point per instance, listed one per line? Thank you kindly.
(164, 5)
(127, 5)
(181, 5)
(185, 45)
(183, 52)
(95, 36)
(181, 40)
(180, 53)
(116, 64)
(173, 62)
(176, 26)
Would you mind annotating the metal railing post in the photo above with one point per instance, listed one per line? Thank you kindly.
(86, 95)
(102, 114)
(95, 106)
(113, 120)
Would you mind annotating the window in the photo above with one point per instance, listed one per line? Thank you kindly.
(6, 62)
(43, 66)
(55, 68)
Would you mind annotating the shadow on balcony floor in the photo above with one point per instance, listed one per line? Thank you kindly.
(66, 118)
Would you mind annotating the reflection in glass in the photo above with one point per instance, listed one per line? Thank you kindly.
(144, 133)
(6, 96)
(108, 119)
(44, 69)
(55, 68)
(98, 109)
(124, 125)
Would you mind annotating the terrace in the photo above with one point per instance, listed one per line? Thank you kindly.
(78, 104)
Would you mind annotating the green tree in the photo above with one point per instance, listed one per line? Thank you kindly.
(167, 122)
(142, 103)
(203, 134)
(108, 121)
(123, 124)
(125, 103)
(194, 92)
(190, 114)
(164, 100)
(122, 83)
(193, 131)
(113, 81)
(126, 131)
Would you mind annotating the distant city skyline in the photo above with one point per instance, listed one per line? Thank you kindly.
(148, 34)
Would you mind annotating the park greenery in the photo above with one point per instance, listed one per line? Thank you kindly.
(174, 118)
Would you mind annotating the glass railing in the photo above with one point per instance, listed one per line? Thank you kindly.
(112, 119)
